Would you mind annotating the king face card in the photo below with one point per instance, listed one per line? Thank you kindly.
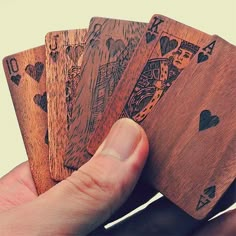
(64, 54)
(109, 47)
(25, 72)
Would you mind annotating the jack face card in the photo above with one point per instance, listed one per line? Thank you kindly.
(165, 50)
(109, 48)
(64, 53)
(25, 72)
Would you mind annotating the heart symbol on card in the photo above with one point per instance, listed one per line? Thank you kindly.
(41, 101)
(202, 57)
(54, 55)
(167, 45)
(35, 71)
(114, 46)
(74, 52)
(16, 79)
(207, 120)
(150, 37)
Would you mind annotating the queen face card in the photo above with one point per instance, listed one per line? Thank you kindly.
(64, 54)
(109, 47)
(25, 72)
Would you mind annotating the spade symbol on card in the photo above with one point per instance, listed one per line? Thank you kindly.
(16, 79)
(35, 71)
(210, 192)
(150, 37)
(54, 56)
(203, 201)
(202, 57)
(207, 120)
(41, 101)
(167, 45)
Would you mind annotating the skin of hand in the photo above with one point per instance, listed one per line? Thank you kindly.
(91, 196)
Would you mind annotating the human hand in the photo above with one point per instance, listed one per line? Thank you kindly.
(86, 199)
(91, 196)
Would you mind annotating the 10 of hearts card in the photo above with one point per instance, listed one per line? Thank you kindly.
(177, 82)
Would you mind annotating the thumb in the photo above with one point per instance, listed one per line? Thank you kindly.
(90, 195)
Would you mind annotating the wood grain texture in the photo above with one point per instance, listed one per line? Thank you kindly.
(165, 49)
(190, 165)
(64, 55)
(110, 46)
(135, 84)
(192, 131)
(25, 72)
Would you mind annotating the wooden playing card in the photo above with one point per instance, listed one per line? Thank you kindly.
(110, 46)
(193, 140)
(192, 132)
(64, 54)
(166, 48)
(25, 72)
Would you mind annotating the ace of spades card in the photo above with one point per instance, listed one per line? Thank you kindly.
(175, 161)
(109, 47)
(64, 53)
(25, 72)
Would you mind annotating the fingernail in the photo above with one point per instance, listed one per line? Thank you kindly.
(122, 139)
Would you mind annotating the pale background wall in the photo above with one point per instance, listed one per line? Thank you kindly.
(24, 23)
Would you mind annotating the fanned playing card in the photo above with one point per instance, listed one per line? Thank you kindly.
(174, 159)
(25, 72)
(191, 126)
(109, 48)
(64, 53)
(193, 139)
(191, 129)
